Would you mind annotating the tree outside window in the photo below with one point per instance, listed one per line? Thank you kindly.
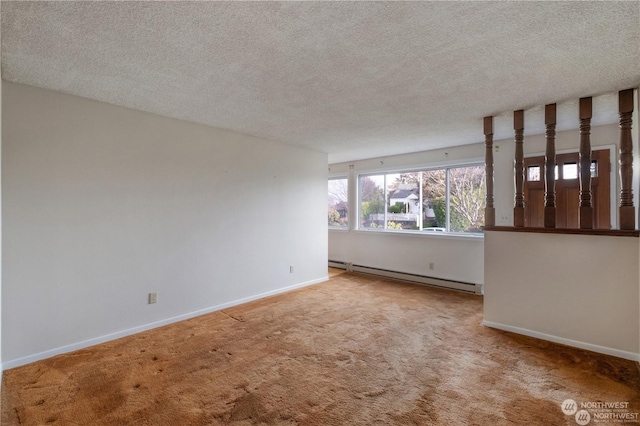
(448, 200)
(338, 197)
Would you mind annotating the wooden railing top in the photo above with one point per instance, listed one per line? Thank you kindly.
(568, 231)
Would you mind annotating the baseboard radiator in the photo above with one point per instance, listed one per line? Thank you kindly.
(403, 276)
(339, 265)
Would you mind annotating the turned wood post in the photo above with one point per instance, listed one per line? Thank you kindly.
(518, 169)
(584, 165)
(550, 165)
(627, 210)
(489, 211)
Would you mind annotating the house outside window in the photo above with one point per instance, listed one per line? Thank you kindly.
(448, 199)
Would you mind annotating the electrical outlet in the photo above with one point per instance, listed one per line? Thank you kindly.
(291, 269)
(153, 298)
(432, 266)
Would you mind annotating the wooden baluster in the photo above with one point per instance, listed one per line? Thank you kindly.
(550, 165)
(584, 165)
(518, 166)
(627, 210)
(489, 211)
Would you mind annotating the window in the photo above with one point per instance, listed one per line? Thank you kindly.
(439, 200)
(570, 171)
(338, 203)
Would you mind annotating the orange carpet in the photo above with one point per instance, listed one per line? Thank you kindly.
(355, 350)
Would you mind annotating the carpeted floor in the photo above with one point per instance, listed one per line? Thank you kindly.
(355, 350)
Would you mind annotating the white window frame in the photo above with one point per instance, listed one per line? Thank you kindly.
(413, 169)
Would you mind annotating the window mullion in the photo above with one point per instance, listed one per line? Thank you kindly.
(421, 201)
(447, 201)
(386, 201)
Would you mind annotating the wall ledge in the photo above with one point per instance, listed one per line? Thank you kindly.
(566, 231)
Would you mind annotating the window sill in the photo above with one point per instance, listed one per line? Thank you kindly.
(424, 234)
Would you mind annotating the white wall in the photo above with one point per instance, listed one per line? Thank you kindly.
(588, 299)
(456, 258)
(103, 204)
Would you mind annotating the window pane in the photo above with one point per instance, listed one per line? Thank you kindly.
(533, 173)
(569, 171)
(403, 208)
(466, 199)
(372, 204)
(339, 202)
(434, 190)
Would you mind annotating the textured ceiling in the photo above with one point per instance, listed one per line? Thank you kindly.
(353, 79)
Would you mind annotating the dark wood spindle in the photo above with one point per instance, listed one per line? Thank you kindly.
(550, 165)
(489, 211)
(627, 209)
(584, 165)
(518, 166)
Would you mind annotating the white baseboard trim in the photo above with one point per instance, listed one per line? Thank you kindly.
(112, 336)
(568, 342)
(419, 279)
